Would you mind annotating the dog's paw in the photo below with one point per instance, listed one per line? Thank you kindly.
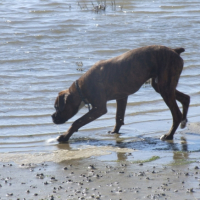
(166, 137)
(113, 132)
(183, 123)
(162, 137)
(62, 139)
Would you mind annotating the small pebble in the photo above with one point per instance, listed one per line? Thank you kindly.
(91, 167)
(51, 197)
(9, 194)
(190, 190)
(60, 187)
(140, 164)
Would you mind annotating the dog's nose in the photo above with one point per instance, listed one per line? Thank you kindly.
(53, 116)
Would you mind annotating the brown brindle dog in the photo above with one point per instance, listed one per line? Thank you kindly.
(119, 77)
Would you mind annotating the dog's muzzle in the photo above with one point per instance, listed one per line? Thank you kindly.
(56, 119)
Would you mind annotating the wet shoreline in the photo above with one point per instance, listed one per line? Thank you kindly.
(96, 175)
(92, 179)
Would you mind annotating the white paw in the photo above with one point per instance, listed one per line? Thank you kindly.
(183, 123)
(162, 137)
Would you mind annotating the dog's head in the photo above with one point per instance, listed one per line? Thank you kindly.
(65, 107)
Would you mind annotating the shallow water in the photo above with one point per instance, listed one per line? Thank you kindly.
(43, 42)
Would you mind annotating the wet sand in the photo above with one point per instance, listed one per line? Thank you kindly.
(94, 174)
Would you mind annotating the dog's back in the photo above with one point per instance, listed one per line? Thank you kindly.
(127, 72)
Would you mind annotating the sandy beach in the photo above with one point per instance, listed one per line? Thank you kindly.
(92, 173)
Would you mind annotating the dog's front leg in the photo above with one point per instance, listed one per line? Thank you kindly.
(93, 114)
(121, 107)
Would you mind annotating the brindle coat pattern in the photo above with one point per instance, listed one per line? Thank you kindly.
(118, 77)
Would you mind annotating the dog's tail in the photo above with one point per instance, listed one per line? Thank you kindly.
(179, 50)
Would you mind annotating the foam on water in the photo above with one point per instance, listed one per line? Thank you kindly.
(60, 155)
(51, 140)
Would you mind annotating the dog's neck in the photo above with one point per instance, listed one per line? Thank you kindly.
(83, 99)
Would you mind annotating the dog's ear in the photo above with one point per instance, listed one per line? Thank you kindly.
(62, 99)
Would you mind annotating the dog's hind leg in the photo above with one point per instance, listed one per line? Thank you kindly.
(169, 94)
(121, 107)
(181, 97)
(185, 101)
(169, 98)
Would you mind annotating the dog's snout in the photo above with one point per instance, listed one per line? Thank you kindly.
(53, 116)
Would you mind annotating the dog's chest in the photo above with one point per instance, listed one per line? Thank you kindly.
(81, 105)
